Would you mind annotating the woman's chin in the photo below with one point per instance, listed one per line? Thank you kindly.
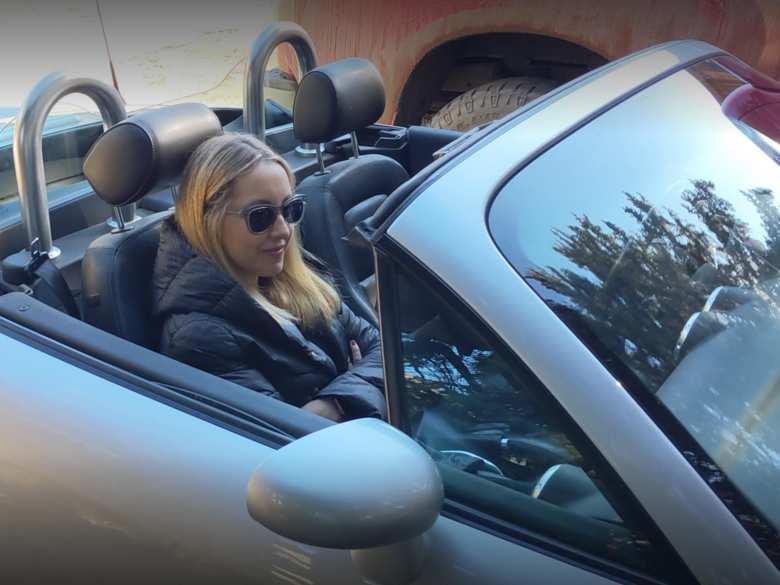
(272, 269)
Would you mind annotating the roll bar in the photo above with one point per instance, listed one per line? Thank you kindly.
(28, 148)
(266, 42)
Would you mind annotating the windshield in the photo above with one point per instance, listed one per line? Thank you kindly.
(654, 233)
(153, 52)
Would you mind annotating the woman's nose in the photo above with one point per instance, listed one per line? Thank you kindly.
(280, 229)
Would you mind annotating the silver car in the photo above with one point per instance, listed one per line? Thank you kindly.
(580, 315)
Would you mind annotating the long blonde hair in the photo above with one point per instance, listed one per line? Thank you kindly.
(298, 293)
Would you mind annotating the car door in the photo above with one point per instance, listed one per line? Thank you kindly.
(107, 478)
(514, 465)
(474, 342)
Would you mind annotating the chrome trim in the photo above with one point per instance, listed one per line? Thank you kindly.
(686, 331)
(695, 521)
(546, 476)
(487, 462)
(308, 150)
(28, 146)
(264, 45)
(713, 296)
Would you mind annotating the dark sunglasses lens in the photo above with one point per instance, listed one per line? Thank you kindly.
(293, 211)
(261, 218)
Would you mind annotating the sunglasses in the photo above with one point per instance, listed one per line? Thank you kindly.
(260, 217)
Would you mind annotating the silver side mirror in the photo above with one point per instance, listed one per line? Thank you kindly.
(360, 485)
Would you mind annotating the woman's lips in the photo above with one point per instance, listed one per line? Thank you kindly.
(276, 251)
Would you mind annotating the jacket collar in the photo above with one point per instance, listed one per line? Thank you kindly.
(187, 282)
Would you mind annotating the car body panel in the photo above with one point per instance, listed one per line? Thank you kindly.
(697, 524)
(110, 470)
(159, 495)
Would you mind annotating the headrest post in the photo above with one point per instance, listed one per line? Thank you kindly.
(128, 213)
(355, 148)
(118, 224)
(122, 218)
(321, 161)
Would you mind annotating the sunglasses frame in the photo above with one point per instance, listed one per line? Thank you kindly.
(277, 209)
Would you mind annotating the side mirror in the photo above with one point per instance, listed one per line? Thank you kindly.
(360, 485)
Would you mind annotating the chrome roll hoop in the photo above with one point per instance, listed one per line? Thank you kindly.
(264, 45)
(28, 148)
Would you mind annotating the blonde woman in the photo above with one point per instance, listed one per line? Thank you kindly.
(238, 297)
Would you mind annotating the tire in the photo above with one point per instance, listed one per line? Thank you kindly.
(489, 102)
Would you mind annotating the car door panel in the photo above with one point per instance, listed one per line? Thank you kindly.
(99, 481)
(461, 554)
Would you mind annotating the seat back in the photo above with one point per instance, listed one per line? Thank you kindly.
(117, 272)
(336, 202)
(336, 99)
(142, 154)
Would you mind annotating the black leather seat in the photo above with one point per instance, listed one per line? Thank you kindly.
(137, 156)
(332, 100)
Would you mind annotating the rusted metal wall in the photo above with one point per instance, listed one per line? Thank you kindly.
(396, 35)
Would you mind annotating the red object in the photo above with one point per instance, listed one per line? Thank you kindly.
(758, 108)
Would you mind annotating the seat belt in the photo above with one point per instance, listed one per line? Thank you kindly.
(43, 268)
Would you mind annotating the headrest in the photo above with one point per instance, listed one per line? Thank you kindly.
(336, 99)
(147, 151)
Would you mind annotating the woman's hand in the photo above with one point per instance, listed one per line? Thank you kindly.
(354, 350)
(325, 407)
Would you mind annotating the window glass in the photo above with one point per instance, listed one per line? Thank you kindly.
(502, 446)
(654, 233)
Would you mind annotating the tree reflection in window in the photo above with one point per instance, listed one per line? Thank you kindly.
(635, 286)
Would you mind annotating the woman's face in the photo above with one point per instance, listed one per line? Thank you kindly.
(257, 255)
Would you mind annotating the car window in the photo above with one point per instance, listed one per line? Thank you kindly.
(654, 233)
(502, 445)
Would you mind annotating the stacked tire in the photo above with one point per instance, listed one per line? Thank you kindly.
(489, 102)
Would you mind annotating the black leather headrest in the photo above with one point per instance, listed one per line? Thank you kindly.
(147, 151)
(336, 99)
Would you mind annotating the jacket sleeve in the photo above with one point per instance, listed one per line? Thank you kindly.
(212, 347)
(360, 389)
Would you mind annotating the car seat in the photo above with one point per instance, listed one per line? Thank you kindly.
(333, 100)
(139, 155)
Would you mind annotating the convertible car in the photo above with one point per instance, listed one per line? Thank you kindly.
(579, 312)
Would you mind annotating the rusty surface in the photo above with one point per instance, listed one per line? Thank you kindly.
(397, 35)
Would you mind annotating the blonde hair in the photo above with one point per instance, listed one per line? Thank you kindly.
(298, 293)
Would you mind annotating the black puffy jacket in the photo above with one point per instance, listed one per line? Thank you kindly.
(210, 322)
